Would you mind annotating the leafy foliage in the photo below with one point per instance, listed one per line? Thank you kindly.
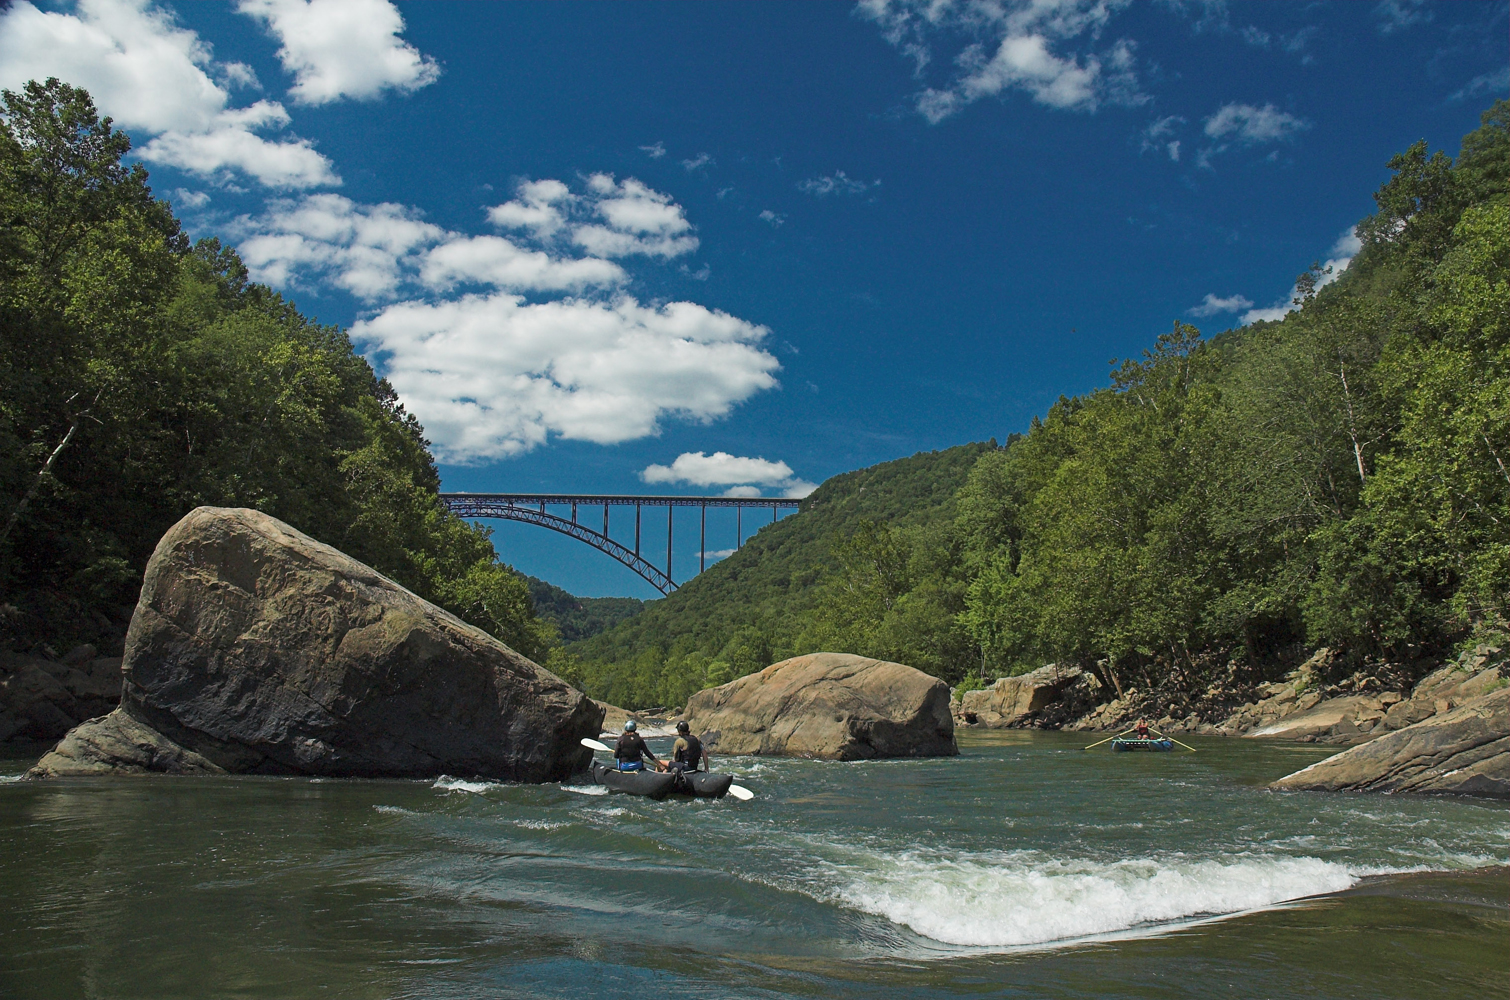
(141, 377)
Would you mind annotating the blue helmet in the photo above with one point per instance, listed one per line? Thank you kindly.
(629, 726)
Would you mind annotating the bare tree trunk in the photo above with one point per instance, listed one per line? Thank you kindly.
(1352, 428)
(36, 485)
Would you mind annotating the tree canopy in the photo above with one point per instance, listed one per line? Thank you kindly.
(142, 376)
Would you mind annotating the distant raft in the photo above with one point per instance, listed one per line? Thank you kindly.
(1123, 744)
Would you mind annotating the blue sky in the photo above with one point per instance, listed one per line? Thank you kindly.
(677, 247)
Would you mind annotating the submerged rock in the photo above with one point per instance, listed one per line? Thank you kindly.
(832, 705)
(256, 649)
(1013, 700)
(1464, 751)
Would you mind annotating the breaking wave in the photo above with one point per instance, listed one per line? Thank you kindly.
(1025, 898)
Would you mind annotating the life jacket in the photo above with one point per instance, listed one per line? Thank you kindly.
(631, 746)
(689, 751)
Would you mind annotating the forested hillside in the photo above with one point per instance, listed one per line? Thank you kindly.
(579, 617)
(1338, 478)
(760, 604)
(141, 376)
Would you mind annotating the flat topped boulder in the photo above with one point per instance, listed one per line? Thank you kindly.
(832, 705)
(256, 649)
(1463, 751)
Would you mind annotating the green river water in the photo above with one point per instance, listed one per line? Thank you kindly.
(1026, 867)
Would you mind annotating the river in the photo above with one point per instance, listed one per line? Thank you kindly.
(1026, 867)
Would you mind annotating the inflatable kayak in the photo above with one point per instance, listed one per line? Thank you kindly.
(659, 784)
(1133, 743)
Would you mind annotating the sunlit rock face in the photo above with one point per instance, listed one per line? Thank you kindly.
(831, 705)
(256, 649)
(1464, 750)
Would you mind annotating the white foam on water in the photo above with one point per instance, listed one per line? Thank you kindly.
(585, 789)
(393, 811)
(446, 783)
(1025, 898)
(6, 779)
(539, 824)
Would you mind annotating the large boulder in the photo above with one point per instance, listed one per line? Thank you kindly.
(1011, 701)
(832, 705)
(1464, 751)
(256, 649)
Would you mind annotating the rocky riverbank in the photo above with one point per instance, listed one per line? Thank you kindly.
(1448, 732)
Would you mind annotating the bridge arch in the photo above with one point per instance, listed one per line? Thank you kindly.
(530, 508)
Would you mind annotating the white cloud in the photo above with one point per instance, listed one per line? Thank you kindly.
(1251, 125)
(696, 468)
(1212, 305)
(1397, 15)
(380, 251)
(536, 208)
(726, 553)
(1496, 83)
(342, 48)
(1021, 54)
(773, 218)
(185, 198)
(1157, 136)
(490, 373)
(748, 475)
(697, 162)
(836, 183)
(655, 152)
(492, 260)
(230, 145)
(639, 220)
(155, 77)
(493, 376)
(368, 250)
(1343, 251)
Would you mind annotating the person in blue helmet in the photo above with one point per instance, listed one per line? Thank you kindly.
(630, 751)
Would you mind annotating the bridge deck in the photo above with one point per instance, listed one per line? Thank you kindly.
(620, 500)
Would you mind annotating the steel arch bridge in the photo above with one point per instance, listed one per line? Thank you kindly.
(530, 508)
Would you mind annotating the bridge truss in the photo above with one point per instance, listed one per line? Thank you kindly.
(530, 508)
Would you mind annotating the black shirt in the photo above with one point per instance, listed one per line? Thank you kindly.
(631, 747)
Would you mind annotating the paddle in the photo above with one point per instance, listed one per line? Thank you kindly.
(740, 792)
(1172, 740)
(1091, 747)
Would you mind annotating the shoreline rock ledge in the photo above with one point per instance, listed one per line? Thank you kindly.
(255, 649)
(836, 706)
(1464, 751)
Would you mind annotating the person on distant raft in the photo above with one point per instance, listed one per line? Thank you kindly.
(688, 751)
(1141, 729)
(629, 752)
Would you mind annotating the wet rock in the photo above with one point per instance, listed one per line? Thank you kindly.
(831, 705)
(1011, 701)
(1464, 751)
(255, 648)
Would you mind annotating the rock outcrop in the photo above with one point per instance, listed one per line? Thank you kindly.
(831, 705)
(256, 649)
(41, 698)
(1464, 750)
(1013, 701)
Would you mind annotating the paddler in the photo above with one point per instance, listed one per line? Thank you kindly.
(688, 751)
(1141, 729)
(630, 751)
